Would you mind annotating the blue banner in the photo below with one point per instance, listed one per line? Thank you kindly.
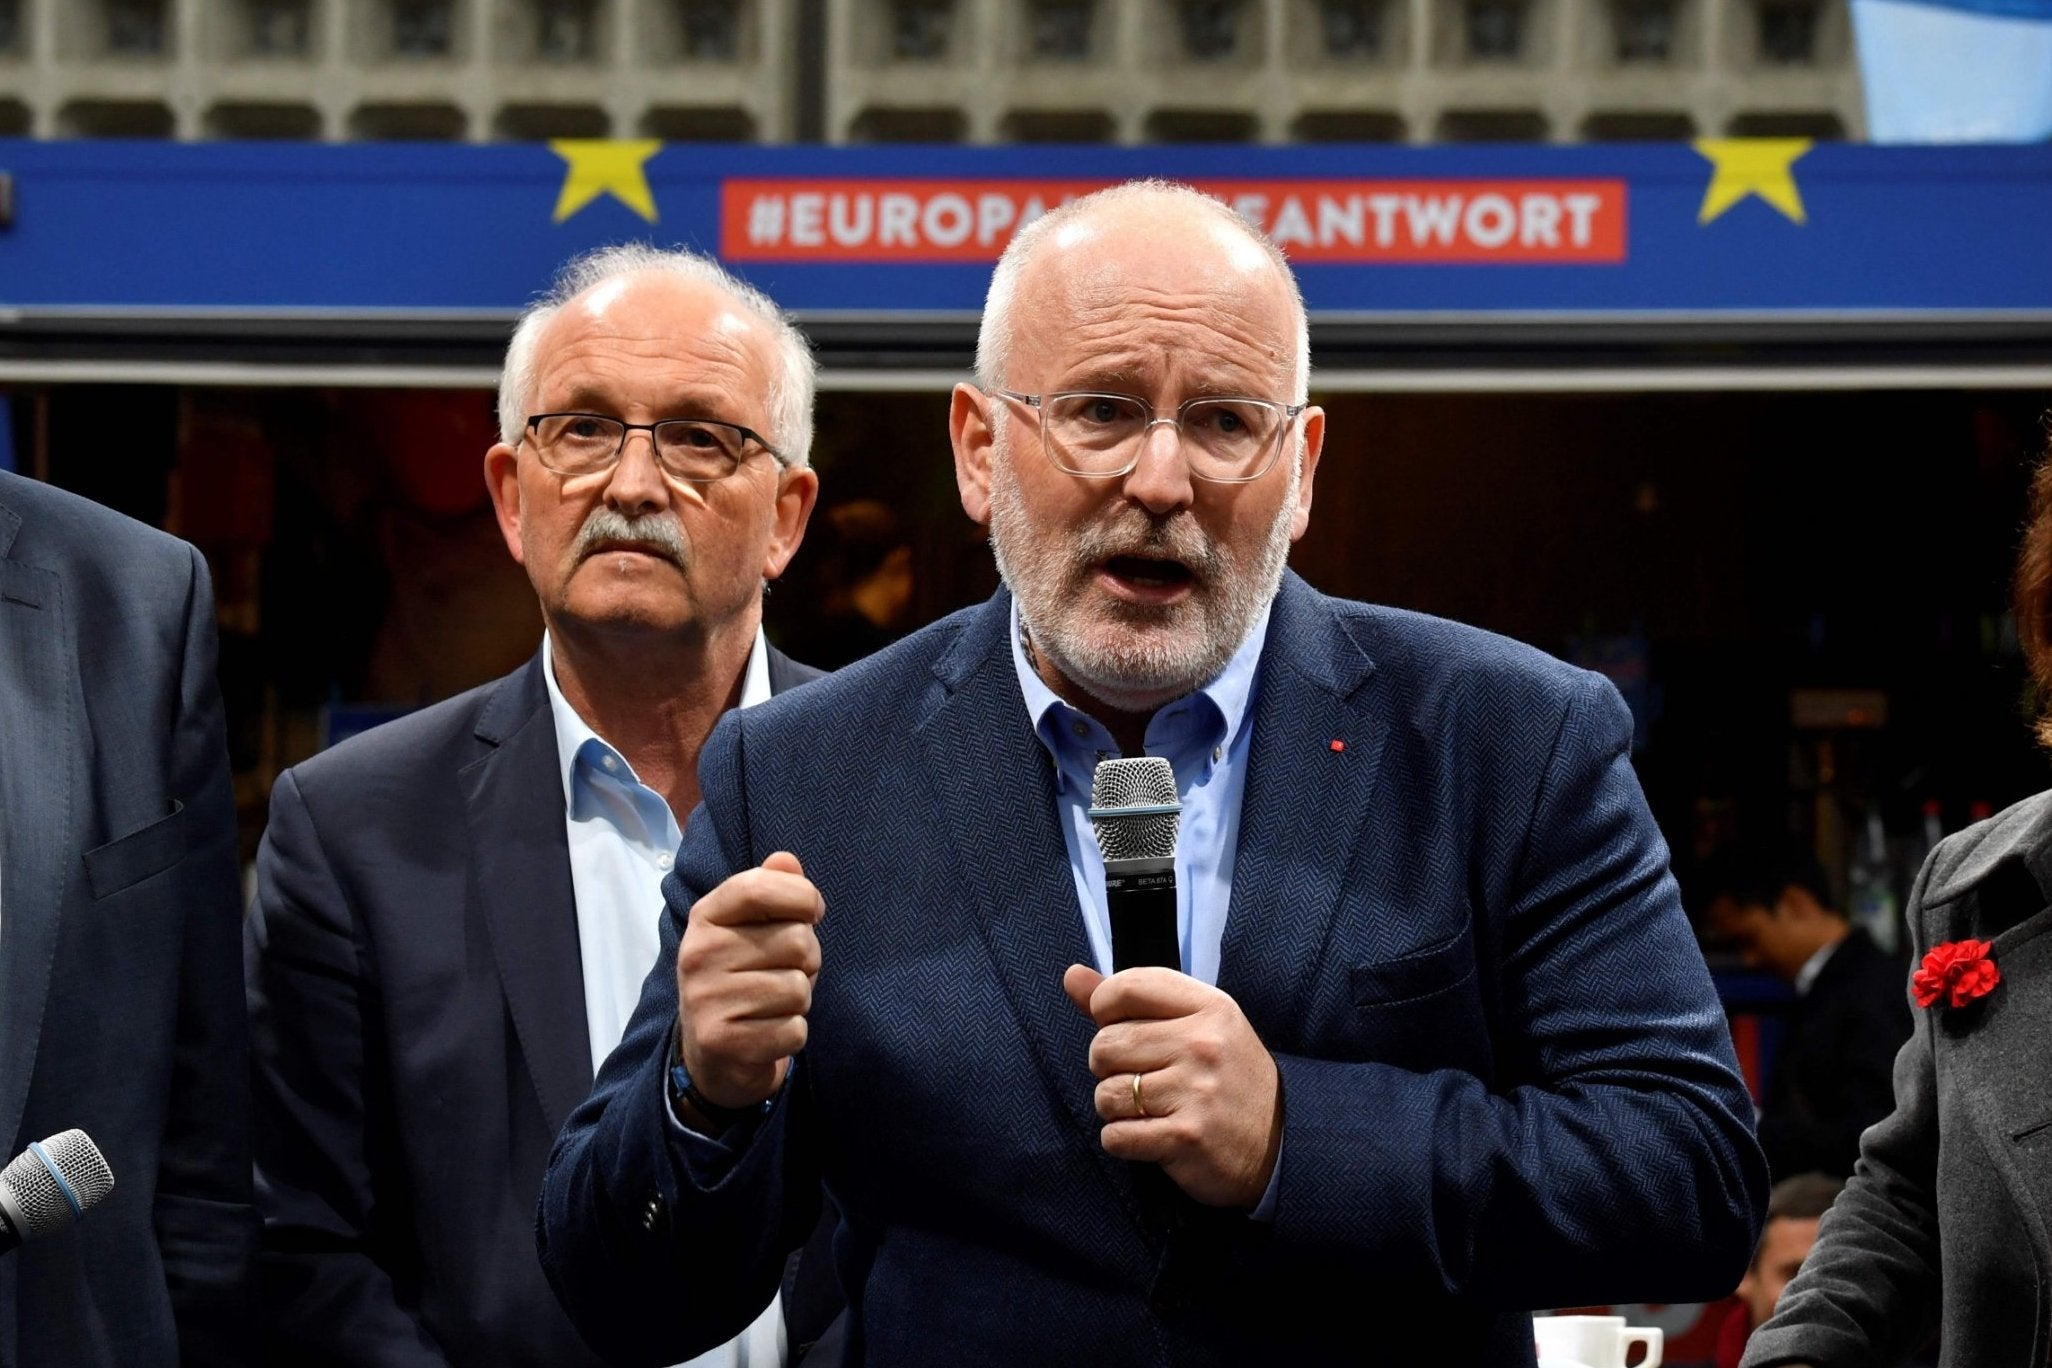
(1713, 228)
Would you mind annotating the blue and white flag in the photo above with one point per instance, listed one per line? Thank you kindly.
(1955, 71)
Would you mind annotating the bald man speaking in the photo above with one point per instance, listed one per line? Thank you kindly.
(1441, 1047)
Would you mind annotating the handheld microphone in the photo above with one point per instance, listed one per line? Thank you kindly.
(1134, 810)
(49, 1185)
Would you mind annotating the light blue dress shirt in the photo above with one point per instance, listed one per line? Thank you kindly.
(623, 840)
(1204, 736)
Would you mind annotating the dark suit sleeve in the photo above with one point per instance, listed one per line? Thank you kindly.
(1614, 1157)
(638, 1213)
(323, 1113)
(1868, 1292)
(203, 1214)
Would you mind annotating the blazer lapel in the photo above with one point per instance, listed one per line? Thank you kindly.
(991, 790)
(41, 738)
(1290, 863)
(514, 793)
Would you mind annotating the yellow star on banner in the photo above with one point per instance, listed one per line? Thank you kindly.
(1752, 166)
(605, 166)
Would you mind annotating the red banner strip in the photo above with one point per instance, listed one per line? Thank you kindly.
(1326, 221)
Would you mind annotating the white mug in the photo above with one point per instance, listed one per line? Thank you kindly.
(1592, 1342)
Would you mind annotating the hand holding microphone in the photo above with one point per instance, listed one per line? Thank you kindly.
(1184, 1081)
(745, 969)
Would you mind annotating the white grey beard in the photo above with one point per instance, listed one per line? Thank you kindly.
(1131, 657)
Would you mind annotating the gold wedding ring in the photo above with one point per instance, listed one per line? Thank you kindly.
(1139, 1102)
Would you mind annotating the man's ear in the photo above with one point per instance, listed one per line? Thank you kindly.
(969, 431)
(502, 479)
(797, 492)
(1314, 445)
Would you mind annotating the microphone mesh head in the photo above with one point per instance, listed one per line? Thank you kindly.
(36, 1189)
(1143, 781)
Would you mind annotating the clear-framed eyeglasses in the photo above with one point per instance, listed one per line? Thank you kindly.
(699, 450)
(1226, 440)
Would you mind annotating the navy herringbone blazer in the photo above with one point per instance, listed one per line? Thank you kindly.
(1507, 1082)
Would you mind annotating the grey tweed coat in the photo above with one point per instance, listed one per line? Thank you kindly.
(1947, 1222)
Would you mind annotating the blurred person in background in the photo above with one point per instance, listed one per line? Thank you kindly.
(456, 910)
(1947, 1222)
(120, 915)
(1794, 1207)
(1830, 1077)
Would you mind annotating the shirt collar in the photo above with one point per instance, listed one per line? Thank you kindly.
(1193, 738)
(578, 745)
(1806, 977)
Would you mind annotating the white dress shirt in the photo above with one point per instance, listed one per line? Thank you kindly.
(1806, 977)
(623, 839)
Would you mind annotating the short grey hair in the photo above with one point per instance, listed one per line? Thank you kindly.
(994, 337)
(789, 401)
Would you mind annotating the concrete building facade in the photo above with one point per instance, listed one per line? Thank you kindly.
(979, 71)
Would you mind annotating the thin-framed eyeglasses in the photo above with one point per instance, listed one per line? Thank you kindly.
(700, 450)
(1226, 439)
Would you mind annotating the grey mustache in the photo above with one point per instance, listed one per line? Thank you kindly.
(1177, 541)
(652, 531)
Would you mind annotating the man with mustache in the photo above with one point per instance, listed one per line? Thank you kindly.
(1444, 1049)
(456, 911)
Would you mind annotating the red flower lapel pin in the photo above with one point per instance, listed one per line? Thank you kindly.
(1955, 974)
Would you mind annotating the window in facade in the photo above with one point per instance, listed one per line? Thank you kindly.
(1210, 29)
(1061, 29)
(1644, 30)
(1494, 30)
(135, 28)
(920, 29)
(1788, 32)
(1350, 29)
(423, 28)
(710, 30)
(280, 28)
(565, 31)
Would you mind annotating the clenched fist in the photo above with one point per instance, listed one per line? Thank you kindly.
(744, 980)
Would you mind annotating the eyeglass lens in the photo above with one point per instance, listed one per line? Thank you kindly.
(1093, 433)
(582, 443)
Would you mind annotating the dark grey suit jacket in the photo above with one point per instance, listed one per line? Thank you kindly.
(120, 980)
(1947, 1222)
(417, 1016)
